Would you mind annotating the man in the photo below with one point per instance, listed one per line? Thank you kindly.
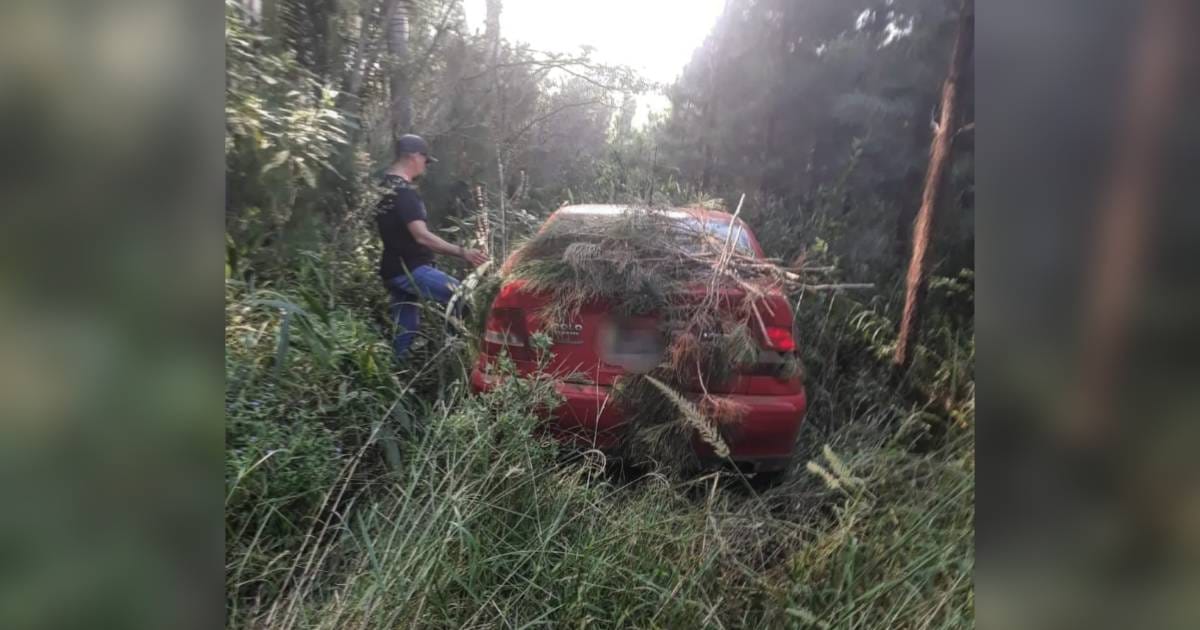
(407, 266)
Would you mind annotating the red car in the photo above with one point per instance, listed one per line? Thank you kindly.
(587, 366)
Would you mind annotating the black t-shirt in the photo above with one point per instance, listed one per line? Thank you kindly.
(400, 205)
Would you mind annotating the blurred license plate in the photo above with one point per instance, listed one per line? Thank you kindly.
(635, 344)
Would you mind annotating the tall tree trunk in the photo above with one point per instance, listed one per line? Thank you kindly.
(401, 104)
(450, 92)
(939, 159)
(492, 37)
(254, 10)
(491, 33)
(320, 32)
(1120, 246)
(358, 67)
(271, 24)
(349, 100)
(709, 126)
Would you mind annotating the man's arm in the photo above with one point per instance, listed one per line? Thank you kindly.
(420, 233)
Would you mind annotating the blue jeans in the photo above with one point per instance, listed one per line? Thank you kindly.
(426, 283)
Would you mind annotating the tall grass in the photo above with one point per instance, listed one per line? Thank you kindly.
(354, 503)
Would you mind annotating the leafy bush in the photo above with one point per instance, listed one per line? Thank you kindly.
(282, 130)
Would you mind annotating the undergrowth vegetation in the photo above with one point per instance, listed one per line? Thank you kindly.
(362, 495)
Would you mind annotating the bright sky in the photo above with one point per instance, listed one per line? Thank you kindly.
(655, 37)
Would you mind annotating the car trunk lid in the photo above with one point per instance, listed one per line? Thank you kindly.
(598, 346)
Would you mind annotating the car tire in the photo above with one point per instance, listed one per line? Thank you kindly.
(768, 479)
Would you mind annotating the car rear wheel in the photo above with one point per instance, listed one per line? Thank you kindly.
(768, 479)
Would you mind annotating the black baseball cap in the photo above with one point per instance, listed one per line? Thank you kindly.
(412, 143)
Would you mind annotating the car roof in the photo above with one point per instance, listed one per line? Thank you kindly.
(612, 209)
(702, 214)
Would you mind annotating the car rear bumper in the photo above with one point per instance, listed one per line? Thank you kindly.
(589, 418)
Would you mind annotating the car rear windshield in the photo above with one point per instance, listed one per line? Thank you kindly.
(720, 231)
(691, 229)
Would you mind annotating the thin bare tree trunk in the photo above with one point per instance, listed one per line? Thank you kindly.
(939, 160)
(491, 33)
(710, 124)
(354, 80)
(503, 210)
(254, 10)
(492, 36)
(1120, 247)
(271, 23)
(401, 104)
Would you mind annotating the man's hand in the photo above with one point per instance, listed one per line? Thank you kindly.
(474, 256)
(422, 235)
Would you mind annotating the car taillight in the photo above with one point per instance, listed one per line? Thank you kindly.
(506, 327)
(777, 357)
(780, 339)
